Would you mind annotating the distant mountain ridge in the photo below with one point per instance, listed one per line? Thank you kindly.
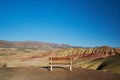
(30, 44)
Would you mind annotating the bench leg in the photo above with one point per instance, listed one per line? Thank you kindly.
(70, 68)
(51, 68)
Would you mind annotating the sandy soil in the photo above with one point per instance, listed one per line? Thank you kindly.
(38, 73)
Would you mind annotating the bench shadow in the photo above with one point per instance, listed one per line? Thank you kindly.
(48, 68)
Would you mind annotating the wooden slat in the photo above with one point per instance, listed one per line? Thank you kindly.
(59, 58)
(60, 63)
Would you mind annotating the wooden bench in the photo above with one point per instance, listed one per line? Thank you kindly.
(60, 62)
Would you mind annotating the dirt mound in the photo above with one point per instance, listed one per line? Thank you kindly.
(33, 73)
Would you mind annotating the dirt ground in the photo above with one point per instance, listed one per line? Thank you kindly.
(43, 73)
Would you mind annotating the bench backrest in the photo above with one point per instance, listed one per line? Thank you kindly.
(60, 60)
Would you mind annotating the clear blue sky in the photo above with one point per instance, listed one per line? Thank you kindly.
(86, 23)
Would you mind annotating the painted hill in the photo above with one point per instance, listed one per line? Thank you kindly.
(37, 53)
(97, 52)
(30, 44)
